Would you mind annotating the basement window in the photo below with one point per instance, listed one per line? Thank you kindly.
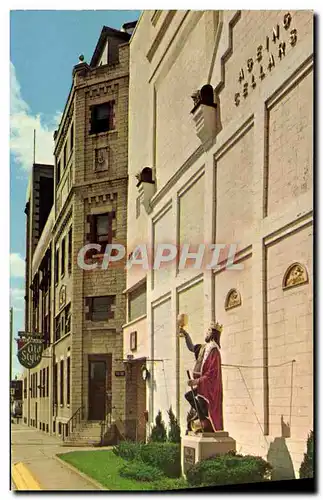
(102, 117)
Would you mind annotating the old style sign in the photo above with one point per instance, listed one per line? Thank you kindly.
(30, 350)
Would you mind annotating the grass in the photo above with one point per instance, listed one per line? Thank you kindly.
(104, 465)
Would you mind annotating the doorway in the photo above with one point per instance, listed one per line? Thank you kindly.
(99, 386)
(135, 401)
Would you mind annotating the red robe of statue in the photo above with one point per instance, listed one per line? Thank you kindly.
(210, 388)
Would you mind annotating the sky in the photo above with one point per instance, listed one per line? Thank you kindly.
(44, 47)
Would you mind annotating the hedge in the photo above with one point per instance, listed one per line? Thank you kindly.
(229, 469)
(164, 456)
(141, 472)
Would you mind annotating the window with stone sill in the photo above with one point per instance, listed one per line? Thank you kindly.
(100, 308)
(55, 384)
(102, 117)
(101, 232)
(62, 383)
(57, 329)
(69, 265)
(47, 381)
(63, 257)
(68, 380)
(72, 137)
(67, 311)
(58, 173)
(56, 266)
(65, 156)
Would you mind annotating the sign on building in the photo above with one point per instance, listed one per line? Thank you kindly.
(30, 349)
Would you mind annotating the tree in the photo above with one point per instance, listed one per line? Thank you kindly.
(158, 432)
(306, 468)
(174, 433)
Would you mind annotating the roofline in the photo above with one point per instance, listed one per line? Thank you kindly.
(135, 29)
(106, 30)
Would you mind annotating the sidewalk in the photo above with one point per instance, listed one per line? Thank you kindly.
(37, 450)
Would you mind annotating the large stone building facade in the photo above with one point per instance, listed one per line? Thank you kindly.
(79, 307)
(231, 168)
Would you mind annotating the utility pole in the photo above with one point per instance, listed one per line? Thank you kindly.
(11, 339)
(34, 157)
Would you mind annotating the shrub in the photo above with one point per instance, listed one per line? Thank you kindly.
(141, 472)
(164, 456)
(228, 469)
(174, 434)
(172, 484)
(158, 432)
(128, 450)
(306, 468)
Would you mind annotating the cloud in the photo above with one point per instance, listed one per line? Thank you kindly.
(17, 266)
(22, 126)
(17, 294)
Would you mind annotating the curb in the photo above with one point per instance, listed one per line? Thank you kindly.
(97, 485)
(23, 479)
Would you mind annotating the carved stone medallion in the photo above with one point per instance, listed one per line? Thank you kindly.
(101, 159)
(296, 274)
(233, 299)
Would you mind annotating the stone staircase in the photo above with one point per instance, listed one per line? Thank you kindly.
(87, 433)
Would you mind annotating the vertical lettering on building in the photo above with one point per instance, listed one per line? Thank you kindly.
(277, 48)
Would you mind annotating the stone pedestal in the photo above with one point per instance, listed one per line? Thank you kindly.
(197, 447)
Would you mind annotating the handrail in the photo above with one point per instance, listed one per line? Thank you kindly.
(77, 416)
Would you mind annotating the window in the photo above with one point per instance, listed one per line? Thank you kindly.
(62, 382)
(57, 328)
(69, 265)
(68, 318)
(40, 383)
(56, 266)
(55, 384)
(101, 229)
(102, 117)
(137, 304)
(58, 172)
(63, 257)
(44, 383)
(25, 388)
(72, 137)
(47, 381)
(65, 155)
(68, 379)
(100, 308)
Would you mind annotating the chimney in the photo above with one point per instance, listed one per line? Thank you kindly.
(129, 27)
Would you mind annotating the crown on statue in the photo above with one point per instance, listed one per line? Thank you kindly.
(215, 325)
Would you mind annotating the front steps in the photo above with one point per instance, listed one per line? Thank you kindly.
(88, 433)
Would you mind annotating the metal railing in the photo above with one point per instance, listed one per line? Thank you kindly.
(73, 422)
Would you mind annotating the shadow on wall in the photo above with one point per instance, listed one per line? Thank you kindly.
(279, 457)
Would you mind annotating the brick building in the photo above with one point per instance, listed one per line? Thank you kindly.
(81, 312)
(233, 166)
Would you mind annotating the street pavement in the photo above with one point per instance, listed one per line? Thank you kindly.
(37, 450)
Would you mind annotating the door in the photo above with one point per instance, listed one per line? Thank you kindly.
(97, 389)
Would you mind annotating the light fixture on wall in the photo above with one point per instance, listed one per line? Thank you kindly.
(145, 373)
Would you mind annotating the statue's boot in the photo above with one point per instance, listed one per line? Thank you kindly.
(206, 425)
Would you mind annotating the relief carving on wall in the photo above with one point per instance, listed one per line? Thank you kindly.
(233, 299)
(296, 274)
(101, 161)
(62, 296)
